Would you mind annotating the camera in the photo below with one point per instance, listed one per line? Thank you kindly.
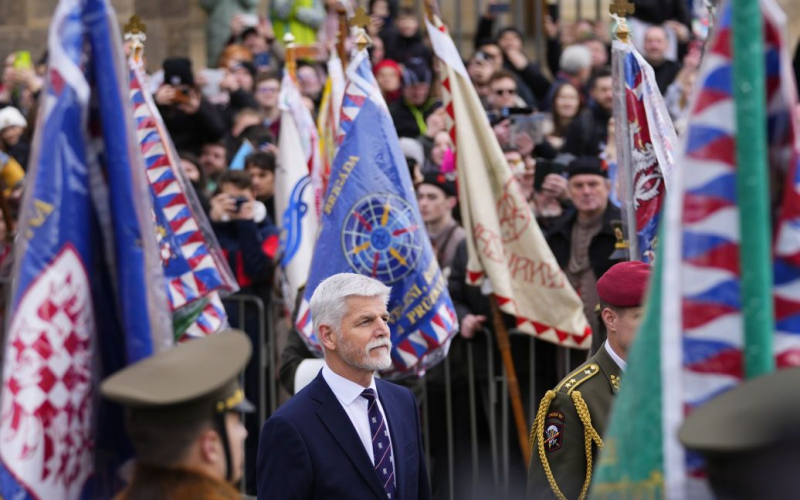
(240, 200)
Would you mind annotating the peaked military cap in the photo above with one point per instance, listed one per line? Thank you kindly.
(750, 438)
(757, 413)
(189, 382)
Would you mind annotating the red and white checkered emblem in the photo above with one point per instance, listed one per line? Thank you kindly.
(45, 424)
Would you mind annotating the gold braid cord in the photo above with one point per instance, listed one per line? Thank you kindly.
(536, 435)
(590, 434)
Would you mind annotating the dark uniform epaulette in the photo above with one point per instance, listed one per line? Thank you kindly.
(569, 387)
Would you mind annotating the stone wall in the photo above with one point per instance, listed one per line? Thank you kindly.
(176, 27)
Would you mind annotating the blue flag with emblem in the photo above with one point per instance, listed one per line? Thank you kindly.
(89, 294)
(371, 225)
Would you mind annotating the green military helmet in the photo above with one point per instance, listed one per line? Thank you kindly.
(750, 438)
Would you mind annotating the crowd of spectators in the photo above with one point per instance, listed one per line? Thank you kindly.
(553, 115)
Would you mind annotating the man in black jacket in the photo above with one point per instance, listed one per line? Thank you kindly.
(656, 44)
(410, 113)
(583, 240)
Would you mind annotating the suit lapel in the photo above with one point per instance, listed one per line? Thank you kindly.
(393, 409)
(335, 419)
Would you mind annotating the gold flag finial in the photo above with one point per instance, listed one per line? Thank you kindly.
(620, 9)
(135, 26)
(360, 19)
(135, 32)
(291, 54)
(363, 41)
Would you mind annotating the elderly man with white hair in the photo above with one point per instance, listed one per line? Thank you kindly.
(347, 434)
(575, 68)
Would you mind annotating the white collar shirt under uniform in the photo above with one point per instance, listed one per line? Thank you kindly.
(619, 361)
(349, 395)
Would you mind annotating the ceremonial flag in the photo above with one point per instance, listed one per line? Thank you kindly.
(193, 262)
(691, 345)
(89, 293)
(327, 124)
(504, 241)
(295, 201)
(646, 144)
(370, 227)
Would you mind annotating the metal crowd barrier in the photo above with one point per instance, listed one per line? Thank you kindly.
(264, 356)
(501, 431)
(495, 405)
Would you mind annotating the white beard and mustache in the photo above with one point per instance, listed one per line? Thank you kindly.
(357, 358)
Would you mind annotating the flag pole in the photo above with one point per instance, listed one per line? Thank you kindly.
(503, 340)
(630, 246)
(752, 187)
(504, 345)
(344, 32)
(291, 55)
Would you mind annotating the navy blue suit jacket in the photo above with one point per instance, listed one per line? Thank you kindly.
(310, 449)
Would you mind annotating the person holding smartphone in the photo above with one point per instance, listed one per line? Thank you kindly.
(190, 119)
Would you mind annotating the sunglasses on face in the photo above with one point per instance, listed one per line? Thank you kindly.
(505, 91)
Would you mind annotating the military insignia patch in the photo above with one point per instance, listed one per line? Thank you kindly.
(615, 383)
(553, 436)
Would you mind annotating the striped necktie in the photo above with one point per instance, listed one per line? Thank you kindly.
(381, 444)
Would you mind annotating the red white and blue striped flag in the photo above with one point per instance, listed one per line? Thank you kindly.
(194, 265)
(646, 145)
(89, 293)
(690, 347)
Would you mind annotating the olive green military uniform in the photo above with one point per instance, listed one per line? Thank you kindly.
(575, 412)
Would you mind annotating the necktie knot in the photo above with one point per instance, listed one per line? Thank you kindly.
(368, 394)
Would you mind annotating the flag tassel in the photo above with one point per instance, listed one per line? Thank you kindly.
(504, 345)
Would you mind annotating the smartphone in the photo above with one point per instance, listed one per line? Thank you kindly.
(532, 124)
(497, 117)
(262, 59)
(249, 20)
(499, 8)
(545, 168)
(182, 94)
(22, 60)
(213, 79)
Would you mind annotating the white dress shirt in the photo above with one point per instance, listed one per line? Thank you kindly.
(349, 395)
(619, 361)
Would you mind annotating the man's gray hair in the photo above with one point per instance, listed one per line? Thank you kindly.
(329, 302)
(575, 58)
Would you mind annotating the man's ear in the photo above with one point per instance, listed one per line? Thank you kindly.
(328, 337)
(452, 201)
(609, 318)
(211, 447)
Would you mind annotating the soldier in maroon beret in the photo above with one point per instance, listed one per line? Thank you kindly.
(572, 418)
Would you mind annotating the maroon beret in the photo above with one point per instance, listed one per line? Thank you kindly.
(624, 284)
